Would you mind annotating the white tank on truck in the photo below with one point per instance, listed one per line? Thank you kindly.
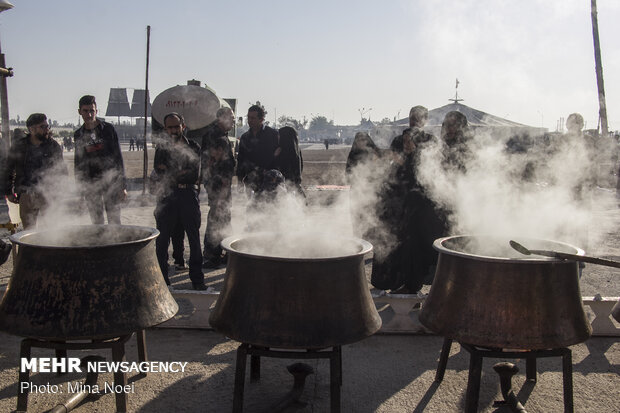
(197, 104)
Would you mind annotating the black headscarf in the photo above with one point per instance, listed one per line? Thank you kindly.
(289, 161)
(362, 149)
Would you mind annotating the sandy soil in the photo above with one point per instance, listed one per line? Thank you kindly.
(383, 374)
(321, 167)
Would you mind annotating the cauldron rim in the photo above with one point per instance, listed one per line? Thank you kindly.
(18, 238)
(227, 244)
(439, 245)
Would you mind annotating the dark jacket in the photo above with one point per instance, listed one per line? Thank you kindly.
(27, 164)
(419, 137)
(225, 169)
(256, 153)
(176, 165)
(98, 152)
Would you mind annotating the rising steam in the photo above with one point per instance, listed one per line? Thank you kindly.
(532, 194)
(545, 192)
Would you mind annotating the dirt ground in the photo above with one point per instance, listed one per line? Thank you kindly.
(381, 374)
(321, 167)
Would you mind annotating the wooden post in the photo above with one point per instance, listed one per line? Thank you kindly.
(599, 74)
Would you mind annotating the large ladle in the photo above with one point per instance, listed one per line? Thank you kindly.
(563, 255)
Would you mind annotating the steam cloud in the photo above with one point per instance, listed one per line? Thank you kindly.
(528, 194)
(522, 194)
(546, 192)
(322, 230)
(66, 207)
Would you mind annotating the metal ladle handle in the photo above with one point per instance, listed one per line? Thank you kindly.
(565, 256)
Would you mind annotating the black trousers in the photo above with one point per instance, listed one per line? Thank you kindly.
(218, 223)
(181, 206)
(178, 249)
(424, 226)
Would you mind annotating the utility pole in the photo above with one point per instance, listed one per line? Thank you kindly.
(4, 100)
(5, 141)
(602, 112)
(146, 107)
(599, 74)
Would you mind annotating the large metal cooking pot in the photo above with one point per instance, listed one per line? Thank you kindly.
(83, 282)
(486, 294)
(295, 291)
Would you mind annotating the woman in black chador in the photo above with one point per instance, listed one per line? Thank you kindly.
(363, 150)
(391, 262)
(361, 174)
(455, 135)
(288, 159)
(405, 259)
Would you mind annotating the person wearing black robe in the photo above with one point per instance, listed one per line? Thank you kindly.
(289, 160)
(455, 135)
(405, 262)
(363, 150)
(360, 172)
(391, 262)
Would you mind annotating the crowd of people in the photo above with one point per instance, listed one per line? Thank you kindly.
(406, 218)
(267, 159)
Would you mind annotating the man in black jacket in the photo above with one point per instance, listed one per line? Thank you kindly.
(257, 150)
(99, 169)
(218, 166)
(33, 162)
(177, 171)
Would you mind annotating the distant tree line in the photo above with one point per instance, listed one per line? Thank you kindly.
(319, 129)
(18, 122)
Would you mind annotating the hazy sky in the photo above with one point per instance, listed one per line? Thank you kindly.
(530, 61)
